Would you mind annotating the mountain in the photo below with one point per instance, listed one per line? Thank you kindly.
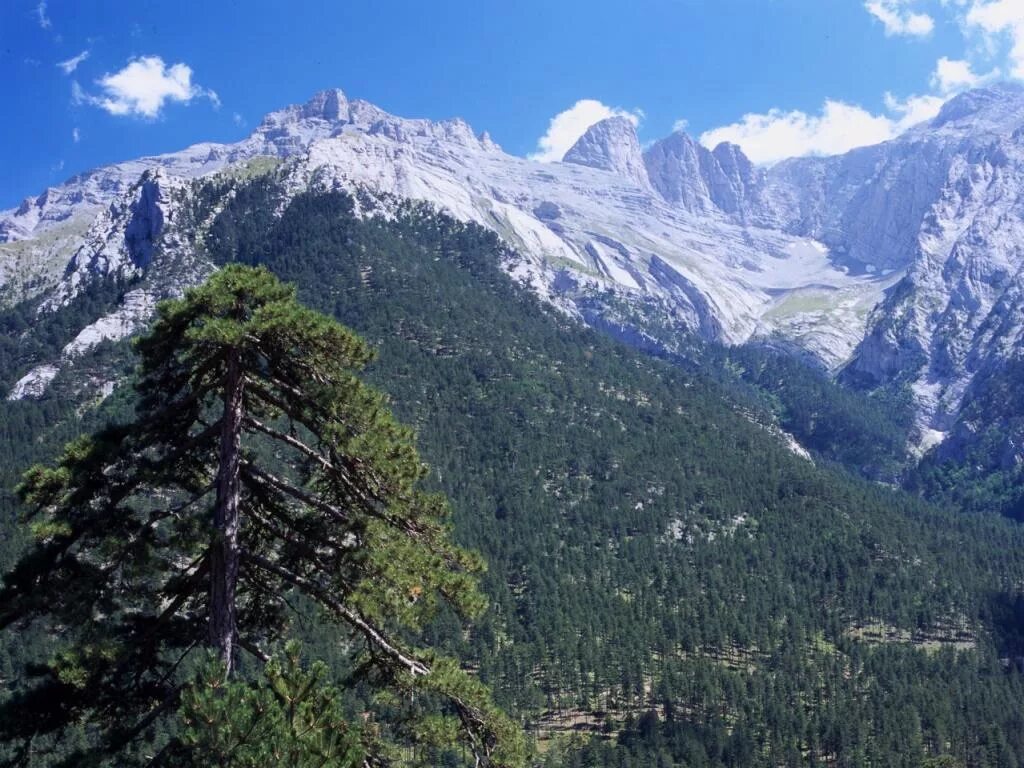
(673, 557)
(699, 180)
(611, 145)
(666, 572)
(589, 226)
(895, 266)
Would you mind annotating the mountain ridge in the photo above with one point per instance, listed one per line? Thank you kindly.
(840, 257)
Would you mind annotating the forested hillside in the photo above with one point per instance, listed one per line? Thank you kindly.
(667, 579)
(977, 469)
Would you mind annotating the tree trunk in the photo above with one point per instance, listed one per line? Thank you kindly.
(224, 553)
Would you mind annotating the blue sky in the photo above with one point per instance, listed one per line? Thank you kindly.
(780, 77)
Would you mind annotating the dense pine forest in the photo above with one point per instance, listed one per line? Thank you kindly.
(668, 583)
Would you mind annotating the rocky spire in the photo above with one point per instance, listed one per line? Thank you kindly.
(611, 145)
(688, 174)
(330, 104)
(678, 168)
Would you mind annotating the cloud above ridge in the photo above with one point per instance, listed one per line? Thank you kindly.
(567, 126)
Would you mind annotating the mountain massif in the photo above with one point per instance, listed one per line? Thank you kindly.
(681, 568)
(892, 265)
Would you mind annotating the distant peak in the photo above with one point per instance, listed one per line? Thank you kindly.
(684, 171)
(727, 148)
(489, 143)
(330, 105)
(680, 136)
(327, 105)
(610, 129)
(611, 145)
(994, 100)
(732, 158)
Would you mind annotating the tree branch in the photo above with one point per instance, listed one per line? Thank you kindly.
(289, 440)
(373, 635)
(253, 649)
(255, 473)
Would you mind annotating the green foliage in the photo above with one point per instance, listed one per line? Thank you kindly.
(979, 467)
(331, 509)
(866, 433)
(640, 531)
(649, 548)
(28, 336)
(289, 718)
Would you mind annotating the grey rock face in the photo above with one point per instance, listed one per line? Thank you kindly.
(900, 263)
(146, 222)
(700, 180)
(280, 134)
(938, 211)
(958, 313)
(679, 169)
(611, 145)
(737, 185)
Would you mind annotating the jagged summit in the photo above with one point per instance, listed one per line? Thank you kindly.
(994, 107)
(328, 104)
(611, 145)
(686, 173)
(678, 167)
(331, 112)
(282, 134)
(805, 252)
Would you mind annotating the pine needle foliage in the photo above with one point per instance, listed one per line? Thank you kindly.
(290, 717)
(259, 468)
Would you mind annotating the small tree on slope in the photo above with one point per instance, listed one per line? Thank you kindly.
(259, 467)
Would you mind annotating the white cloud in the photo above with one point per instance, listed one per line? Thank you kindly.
(998, 25)
(770, 137)
(41, 17)
(566, 127)
(238, 119)
(898, 20)
(997, 19)
(143, 87)
(75, 135)
(912, 110)
(776, 135)
(955, 75)
(71, 64)
(680, 125)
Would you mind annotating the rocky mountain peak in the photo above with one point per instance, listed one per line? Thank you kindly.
(733, 162)
(999, 106)
(489, 143)
(678, 168)
(330, 104)
(908, 245)
(686, 173)
(611, 145)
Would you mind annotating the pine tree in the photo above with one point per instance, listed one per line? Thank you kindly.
(259, 467)
(290, 717)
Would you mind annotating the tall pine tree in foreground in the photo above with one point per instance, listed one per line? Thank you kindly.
(259, 469)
